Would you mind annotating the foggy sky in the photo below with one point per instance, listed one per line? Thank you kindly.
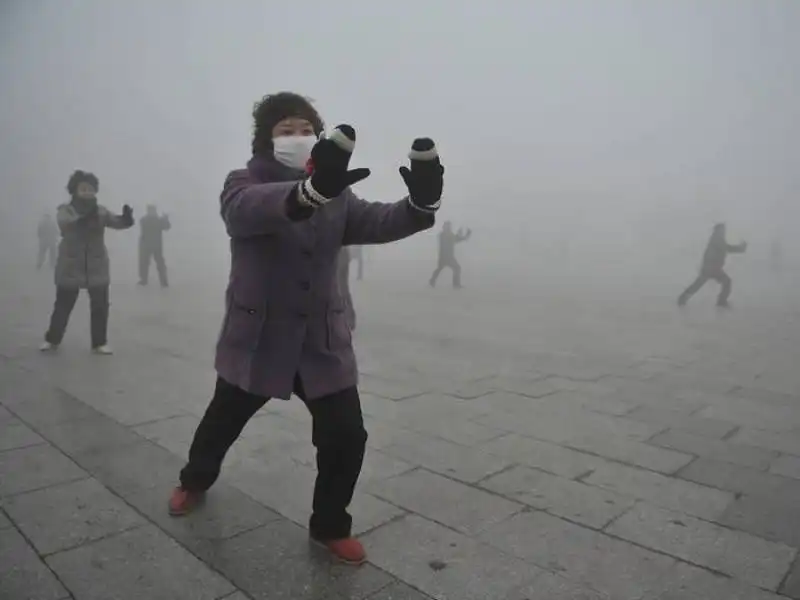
(595, 116)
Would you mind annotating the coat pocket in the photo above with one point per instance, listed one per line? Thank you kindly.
(339, 334)
(243, 326)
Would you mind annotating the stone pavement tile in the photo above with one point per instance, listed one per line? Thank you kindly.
(555, 587)
(681, 421)
(742, 555)
(132, 469)
(277, 561)
(443, 563)
(459, 462)
(579, 401)
(136, 564)
(752, 414)
(469, 390)
(619, 569)
(565, 498)
(633, 453)
(4, 520)
(530, 388)
(175, 428)
(560, 427)
(134, 408)
(667, 492)
(283, 485)
(393, 390)
(28, 469)
(738, 454)
(236, 596)
(735, 478)
(462, 507)
(15, 434)
(224, 513)
(787, 443)
(786, 466)
(687, 582)
(370, 512)
(546, 456)
(4, 414)
(68, 515)
(379, 465)
(23, 576)
(791, 586)
(399, 591)
(772, 518)
(98, 433)
(451, 427)
(53, 406)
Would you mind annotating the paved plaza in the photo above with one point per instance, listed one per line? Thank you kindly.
(524, 445)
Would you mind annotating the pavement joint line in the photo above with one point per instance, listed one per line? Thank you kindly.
(97, 539)
(50, 485)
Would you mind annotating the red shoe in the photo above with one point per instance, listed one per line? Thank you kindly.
(346, 550)
(182, 501)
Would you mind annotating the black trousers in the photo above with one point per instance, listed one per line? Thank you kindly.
(65, 302)
(452, 263)
(337, 433)
(146, 254)
(46, 250)
(704, 277)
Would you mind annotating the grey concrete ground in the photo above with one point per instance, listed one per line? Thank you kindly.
(524, 445)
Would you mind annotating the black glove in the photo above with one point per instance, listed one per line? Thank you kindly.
(127, 214)
(426, 177)
(330, 159)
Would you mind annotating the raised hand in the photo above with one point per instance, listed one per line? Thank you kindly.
(127, 214)
(330, 168)
(425, 178)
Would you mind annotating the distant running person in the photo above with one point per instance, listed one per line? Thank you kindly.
(713, 267)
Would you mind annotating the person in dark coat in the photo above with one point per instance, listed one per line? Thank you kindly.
(83, 260)
(447, 253)
(285, 329)
(713, 267)
(47, 234)
(151, 244)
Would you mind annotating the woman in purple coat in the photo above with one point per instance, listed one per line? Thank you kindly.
(288, 213)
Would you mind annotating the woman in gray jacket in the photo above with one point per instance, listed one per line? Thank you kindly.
(83, 260)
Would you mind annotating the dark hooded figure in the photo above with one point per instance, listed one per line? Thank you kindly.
(83, 260)
(713, 267)
(151, 244)
(447, 253)
(289, 213)
(47, 233)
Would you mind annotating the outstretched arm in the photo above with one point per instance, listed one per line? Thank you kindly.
(462, 237)
(382, 222)
(113, 221)
(67, 217)
(250, 209)
(166, 225)
(736, 248)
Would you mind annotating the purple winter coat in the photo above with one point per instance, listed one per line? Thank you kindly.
(284, 310)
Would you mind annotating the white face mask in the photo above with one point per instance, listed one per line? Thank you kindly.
(293, 150)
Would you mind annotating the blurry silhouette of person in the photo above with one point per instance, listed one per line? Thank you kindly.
(776, 256)
(357, 254)
(343, 281)
(47, 232)
(151, 244)
(83, 260)
(713, 267)
(447, 253)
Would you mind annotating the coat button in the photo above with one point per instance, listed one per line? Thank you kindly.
(305, 285)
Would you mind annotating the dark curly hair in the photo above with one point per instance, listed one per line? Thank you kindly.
(79, 177)
(274, 108)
